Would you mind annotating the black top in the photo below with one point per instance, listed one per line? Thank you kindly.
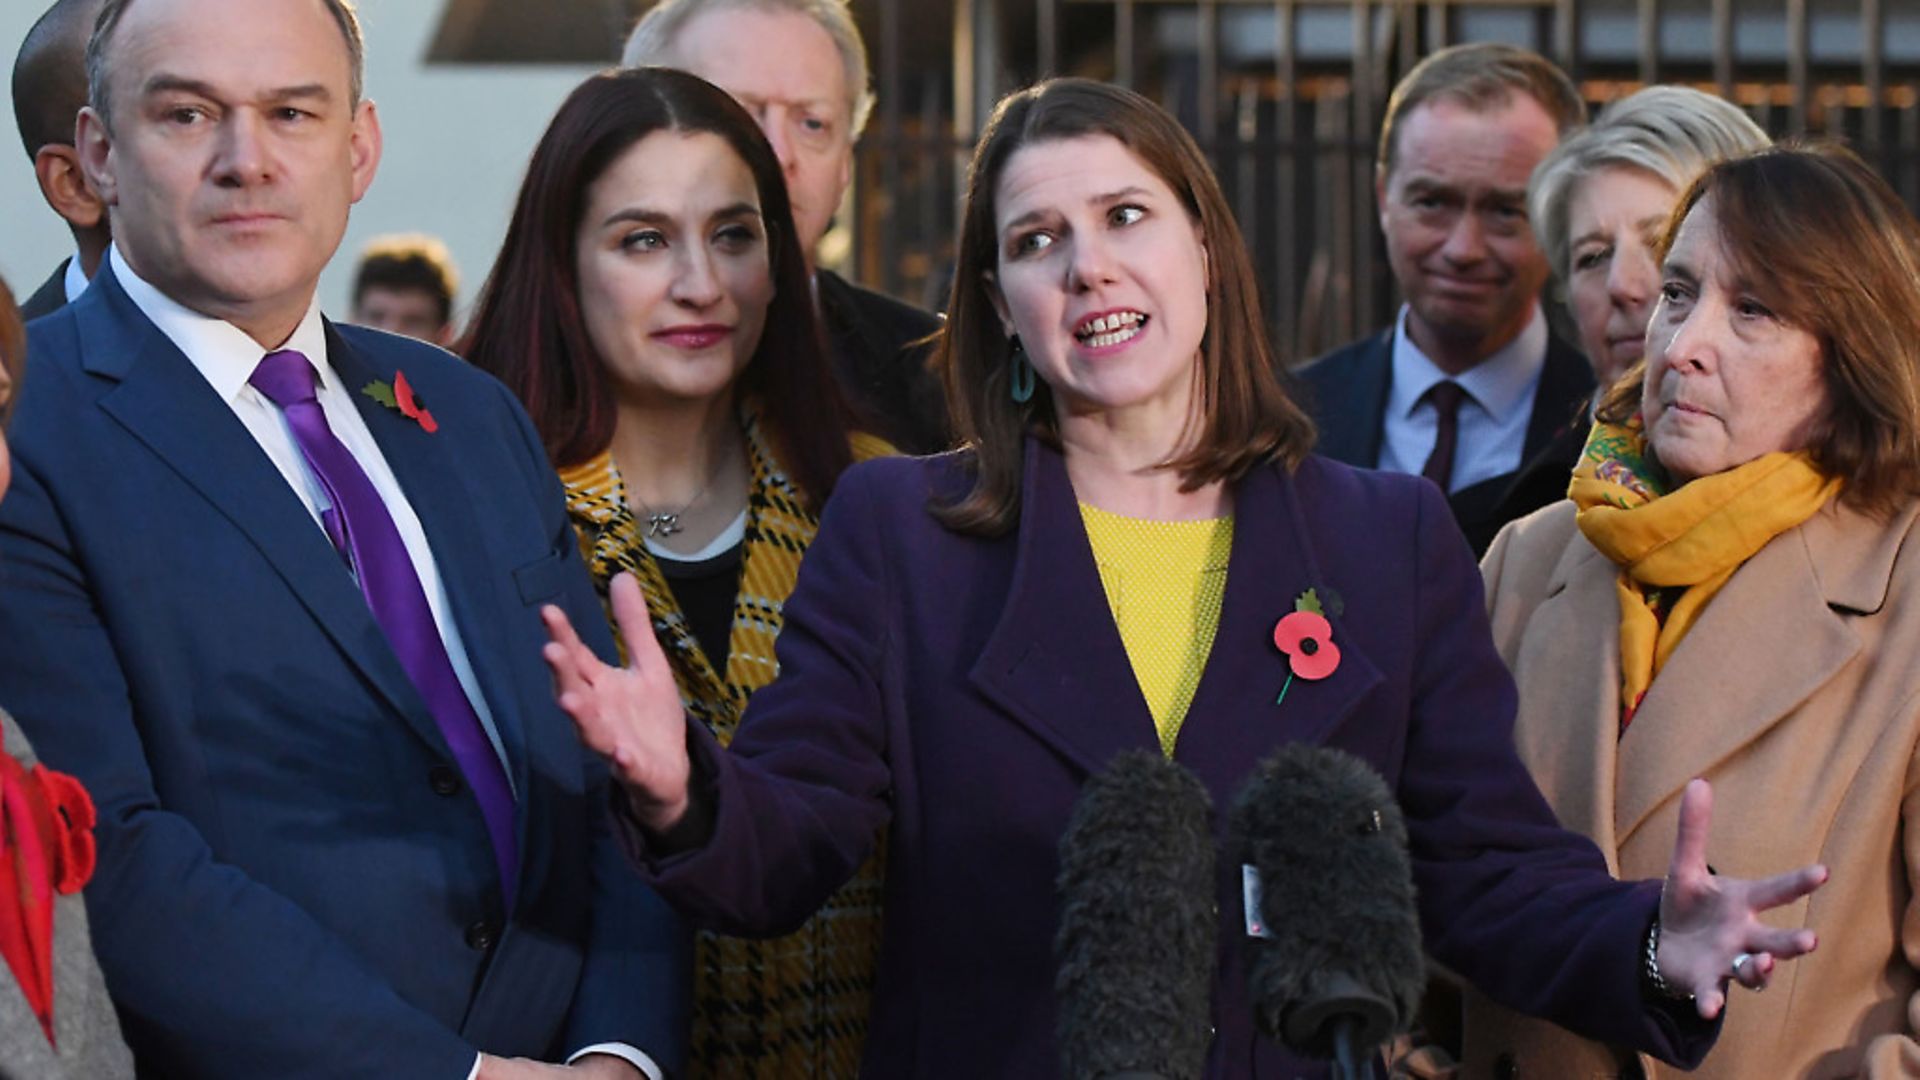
(884, 375)
(705, 590)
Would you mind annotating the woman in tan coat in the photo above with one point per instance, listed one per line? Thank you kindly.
(1733, 592)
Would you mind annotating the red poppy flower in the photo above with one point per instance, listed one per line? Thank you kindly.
(410, 406)
(74, 845)
(1307, 639)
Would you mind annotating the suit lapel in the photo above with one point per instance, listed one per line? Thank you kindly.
(1354, 403)
(1078, 692)
(162, 401)
(1573, 666)
(1074, 689)
(423, 463)
(1769, 639)
(1235, 719)
(1566, 381)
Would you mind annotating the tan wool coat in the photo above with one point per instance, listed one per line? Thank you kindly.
(1797, 694)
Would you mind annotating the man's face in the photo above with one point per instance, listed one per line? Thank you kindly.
(234, 154)
(787, 72)
(1454, 211)
(412, 312)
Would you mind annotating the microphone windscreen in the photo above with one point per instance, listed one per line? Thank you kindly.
(1326, 837)
(1137, 939)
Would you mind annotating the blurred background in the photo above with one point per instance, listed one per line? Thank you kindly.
(1286, 95)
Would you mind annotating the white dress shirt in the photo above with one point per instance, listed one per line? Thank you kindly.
(74, 281)
(226, 357)
(1493, 416)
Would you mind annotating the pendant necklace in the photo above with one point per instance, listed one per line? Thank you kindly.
(664, 523)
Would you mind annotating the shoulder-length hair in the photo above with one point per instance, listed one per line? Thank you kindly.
(1246, 418)
(528, 329)
(1824, 242)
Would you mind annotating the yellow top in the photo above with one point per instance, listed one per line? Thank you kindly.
(1164, 581)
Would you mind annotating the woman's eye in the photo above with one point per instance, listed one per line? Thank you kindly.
(1127, 215)
(644, 240)
(736, 238)
(1673, 292)
(1030, 243)
(1592, 258)
(1750, 308)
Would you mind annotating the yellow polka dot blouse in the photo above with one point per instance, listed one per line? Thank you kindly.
(1164, 581)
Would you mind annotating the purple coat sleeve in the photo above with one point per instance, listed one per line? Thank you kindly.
(804, 787)
(1522, 908)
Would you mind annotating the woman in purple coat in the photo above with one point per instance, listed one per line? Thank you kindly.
(1102, 569)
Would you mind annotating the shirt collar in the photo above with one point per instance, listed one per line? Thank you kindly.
(1500, 384)
(222, 352)
(75, 281)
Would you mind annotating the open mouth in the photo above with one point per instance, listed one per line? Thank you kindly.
(1112, 328)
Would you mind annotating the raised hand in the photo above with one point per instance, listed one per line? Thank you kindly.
(632, 715)
(1709, 930)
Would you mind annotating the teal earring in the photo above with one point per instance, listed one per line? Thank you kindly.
(1020, 377)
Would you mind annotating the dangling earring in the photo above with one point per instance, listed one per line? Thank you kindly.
(1020, 377)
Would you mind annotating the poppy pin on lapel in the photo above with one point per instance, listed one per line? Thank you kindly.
(1305, 638)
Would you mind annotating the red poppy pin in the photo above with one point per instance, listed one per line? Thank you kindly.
(1305, 638)
(399, 396)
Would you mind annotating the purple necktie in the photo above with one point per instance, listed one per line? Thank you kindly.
(361, 529)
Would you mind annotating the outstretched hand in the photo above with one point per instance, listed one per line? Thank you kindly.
(632, 715)
(1710, 932)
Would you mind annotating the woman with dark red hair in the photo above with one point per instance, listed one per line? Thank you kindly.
(651, 308)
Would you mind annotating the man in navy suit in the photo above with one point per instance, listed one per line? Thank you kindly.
(1469, 385)
(49, 90)
(272, 593)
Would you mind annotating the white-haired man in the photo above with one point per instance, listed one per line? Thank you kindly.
(800, 67)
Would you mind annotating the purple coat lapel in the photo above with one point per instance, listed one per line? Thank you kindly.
(1075, 688)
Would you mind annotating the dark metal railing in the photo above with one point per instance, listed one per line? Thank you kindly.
(1288, 107)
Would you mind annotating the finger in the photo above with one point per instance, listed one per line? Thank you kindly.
(568, 679)
(1690, 840)
(1708, 1001)
(1754, 972)
(1785, 888)
(635, 623)
(560, 631)
(1785, 944)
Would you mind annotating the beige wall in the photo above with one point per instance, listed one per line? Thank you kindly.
(457, 139)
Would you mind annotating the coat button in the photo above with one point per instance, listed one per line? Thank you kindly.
(480, 936)
(1505, 1069)
(444, 779)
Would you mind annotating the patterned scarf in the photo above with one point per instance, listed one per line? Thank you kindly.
(1675, 549)
(794, 1006)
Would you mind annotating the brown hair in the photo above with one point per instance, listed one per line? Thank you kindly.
(1246, 419)
(1824, 242)
(13, 352)
(1483, 76)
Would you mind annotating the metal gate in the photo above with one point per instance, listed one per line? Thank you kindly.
(1286, 98)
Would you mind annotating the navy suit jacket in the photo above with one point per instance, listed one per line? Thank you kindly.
(961, 689)
(50, 297)
(293, 881)
(1347, 394)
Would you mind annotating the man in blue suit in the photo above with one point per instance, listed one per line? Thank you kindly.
(1468, 387)
(271, 593)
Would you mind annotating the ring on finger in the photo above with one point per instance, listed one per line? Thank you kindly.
(1739, 962)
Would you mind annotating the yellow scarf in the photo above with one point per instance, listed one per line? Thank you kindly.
(1691, 539)
(794, 1006)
